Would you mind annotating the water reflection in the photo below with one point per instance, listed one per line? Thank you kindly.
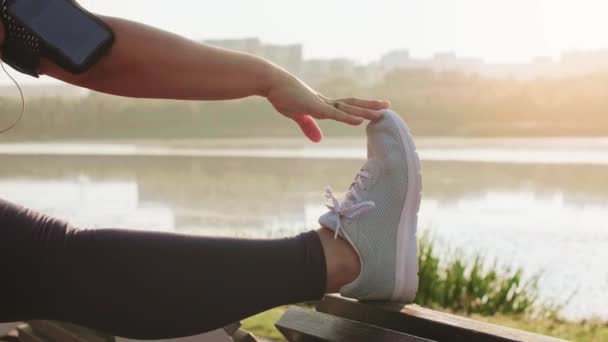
(542, 217)
(87, 203)
(567, 242)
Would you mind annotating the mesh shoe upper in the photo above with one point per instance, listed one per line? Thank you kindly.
(374, 234)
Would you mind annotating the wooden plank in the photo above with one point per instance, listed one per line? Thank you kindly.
(298, 324)
(12, 337)
(5, 328)
(232, 328)
(66, 332)
(27, 334)
(243, 336)
(218, 335)
(427, 323)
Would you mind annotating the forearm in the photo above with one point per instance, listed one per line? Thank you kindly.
(150, 63)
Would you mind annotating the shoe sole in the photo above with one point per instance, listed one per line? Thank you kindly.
(406, 272)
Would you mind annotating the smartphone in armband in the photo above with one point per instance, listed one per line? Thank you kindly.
(69, 35)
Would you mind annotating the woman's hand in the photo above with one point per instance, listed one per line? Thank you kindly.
(297, 101)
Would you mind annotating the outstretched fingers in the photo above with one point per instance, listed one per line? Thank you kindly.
(353, 110)
(368, 114)
(365, 104)
(329, 111)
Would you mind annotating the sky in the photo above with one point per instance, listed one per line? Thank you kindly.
(498, 31)
(495, 30)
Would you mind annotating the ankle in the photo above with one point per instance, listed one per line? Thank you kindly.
(343, 264)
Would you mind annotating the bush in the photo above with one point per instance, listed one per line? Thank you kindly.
(472, 288)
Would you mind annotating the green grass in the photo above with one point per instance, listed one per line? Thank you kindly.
(262, 325)
(477, 289)
(584, 331)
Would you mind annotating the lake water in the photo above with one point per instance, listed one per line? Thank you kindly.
(539, 204)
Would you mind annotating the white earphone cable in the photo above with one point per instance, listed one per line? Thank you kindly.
(22, 100)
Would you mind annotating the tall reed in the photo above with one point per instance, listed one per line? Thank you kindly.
(474, 286)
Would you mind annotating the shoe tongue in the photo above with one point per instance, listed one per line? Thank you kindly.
(371, 167)
(329, 220)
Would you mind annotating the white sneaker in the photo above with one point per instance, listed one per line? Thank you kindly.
(379, 214)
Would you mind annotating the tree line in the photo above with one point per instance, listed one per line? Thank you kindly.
(433, 103)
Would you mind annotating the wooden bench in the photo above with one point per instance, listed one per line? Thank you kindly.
(341, 319)
(336, 319)
(49, 331)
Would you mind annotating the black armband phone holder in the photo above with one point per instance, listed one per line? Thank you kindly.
(58, 30)
(21, 49)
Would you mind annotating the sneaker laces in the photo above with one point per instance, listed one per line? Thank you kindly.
(353, 206)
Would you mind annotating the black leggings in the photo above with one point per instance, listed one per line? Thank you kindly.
(147, 285)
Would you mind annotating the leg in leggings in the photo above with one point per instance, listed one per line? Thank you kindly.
(147, 285)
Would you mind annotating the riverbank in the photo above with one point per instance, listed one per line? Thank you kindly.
(507, 150)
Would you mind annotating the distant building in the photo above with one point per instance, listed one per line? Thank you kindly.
(318, 70)
(448, 61)
(576, 62)
(442, 61)
(287, 56)
(291, 58)
(396, 59)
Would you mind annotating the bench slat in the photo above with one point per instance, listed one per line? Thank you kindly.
(302, 325)
(66, 332)
(26, 334)
(5, 328)
(427, 323)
